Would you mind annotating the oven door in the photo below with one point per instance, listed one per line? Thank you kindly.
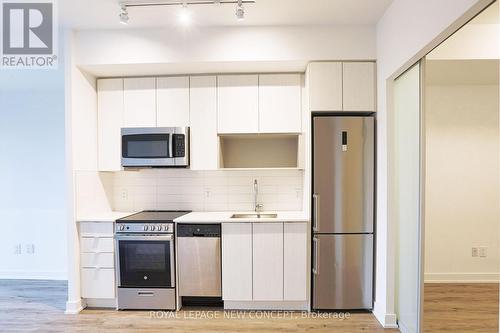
(145, 261)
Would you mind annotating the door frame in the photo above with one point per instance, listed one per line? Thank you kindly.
(418, 58)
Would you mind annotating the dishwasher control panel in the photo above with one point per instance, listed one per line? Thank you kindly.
(198, 230)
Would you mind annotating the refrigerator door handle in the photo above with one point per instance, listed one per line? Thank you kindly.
(316, 212)
(316, 256)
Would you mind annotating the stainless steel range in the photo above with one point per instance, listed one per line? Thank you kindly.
(145, 260)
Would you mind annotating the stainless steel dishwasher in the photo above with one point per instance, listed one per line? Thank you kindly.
(199, 262)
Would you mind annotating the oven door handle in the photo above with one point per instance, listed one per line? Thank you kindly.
(146, 238)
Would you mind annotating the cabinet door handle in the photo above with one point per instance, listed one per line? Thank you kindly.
(316, 256)
(316, 212)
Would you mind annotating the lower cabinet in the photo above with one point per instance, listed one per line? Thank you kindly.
(237, 261)
(98, 282)
(97, 263)
(264, 261)
(267, 261)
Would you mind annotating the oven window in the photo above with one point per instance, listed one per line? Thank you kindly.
(145, 263)
(145, 146)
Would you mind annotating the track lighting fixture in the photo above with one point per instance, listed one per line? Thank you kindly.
(240, 11)
(184, 15)
(123, 14)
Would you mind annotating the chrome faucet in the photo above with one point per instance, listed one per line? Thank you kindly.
(257, 207)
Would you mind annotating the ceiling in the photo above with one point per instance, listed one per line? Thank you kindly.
(103, 14)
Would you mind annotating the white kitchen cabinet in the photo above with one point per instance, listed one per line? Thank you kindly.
(96, 244)
(238, 104)
(204, 141)
(325, 86)
(359, 86)
(139, 102)
(109, 123)
(267, 261)
(295, 262)
(237, 261)
(280, 103)
(172, 101)
(98, 282)
(97, 266)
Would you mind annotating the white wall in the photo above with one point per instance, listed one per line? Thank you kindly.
(407, 30)
(461, 182)
(219, 49)
(33, 195)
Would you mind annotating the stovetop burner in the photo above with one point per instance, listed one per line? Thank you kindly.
(153, 216)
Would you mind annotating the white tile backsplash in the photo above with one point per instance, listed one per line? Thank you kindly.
(206, 190)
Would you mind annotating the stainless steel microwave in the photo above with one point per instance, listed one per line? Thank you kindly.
(155, 147)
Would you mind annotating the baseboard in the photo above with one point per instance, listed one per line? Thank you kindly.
(387, 320)
(404, 329)
(462, 278)
(267, 305)
(74, 307)
(101, 303)
(33, 275)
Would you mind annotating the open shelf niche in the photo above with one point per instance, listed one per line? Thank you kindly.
(260, 151)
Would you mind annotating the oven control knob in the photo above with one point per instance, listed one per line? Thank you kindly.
(159, 228)
(152, 228)
(122, 227)
(145, 228)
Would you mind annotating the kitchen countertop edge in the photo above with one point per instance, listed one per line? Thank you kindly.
(225, 217)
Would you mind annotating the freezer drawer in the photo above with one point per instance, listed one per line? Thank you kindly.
(343, 184)
(343, 272)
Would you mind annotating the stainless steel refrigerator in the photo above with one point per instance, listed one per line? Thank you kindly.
(343, 210)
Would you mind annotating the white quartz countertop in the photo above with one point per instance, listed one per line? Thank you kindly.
(224, 217)
(103, 216)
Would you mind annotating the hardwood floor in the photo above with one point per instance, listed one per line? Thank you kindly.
(38, 306)
(467, 308)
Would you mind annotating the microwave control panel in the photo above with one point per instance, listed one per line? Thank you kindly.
(179, 145)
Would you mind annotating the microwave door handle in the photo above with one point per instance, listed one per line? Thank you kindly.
(171, 145)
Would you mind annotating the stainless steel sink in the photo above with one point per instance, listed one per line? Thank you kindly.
(254, 215)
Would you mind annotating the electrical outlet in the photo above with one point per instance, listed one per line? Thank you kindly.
(475, 252)
(30, 248)
(124, 194)
(483, 252)
(17, 249)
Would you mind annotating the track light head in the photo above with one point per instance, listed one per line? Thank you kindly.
(123, 15)
(240, 11)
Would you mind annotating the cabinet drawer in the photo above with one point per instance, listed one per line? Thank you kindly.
(98, 282)
(97, 228)
(97, 260)
(96, 244)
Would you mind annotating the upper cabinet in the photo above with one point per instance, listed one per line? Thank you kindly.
(204, 141)
(325, 86)
(359, 86)
(238, 104)
(139, 102)
(280, 103)
(109, 123)
(172, 101)
(266, 103)
(337, 86)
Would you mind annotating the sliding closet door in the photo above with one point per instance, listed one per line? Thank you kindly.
(405, 197)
